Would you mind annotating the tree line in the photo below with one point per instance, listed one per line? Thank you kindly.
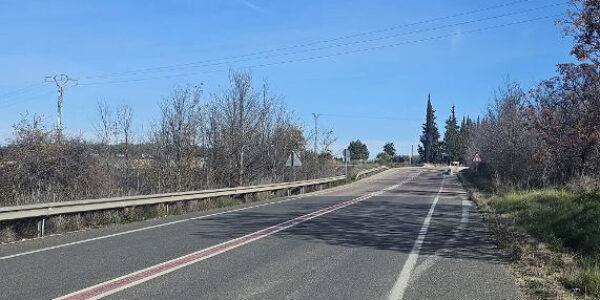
(453, 146)
(543, 136)
(242, 135)
(549, 134)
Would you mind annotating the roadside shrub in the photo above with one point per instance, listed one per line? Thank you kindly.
(7, 234)
(584, 184)
(587, 279)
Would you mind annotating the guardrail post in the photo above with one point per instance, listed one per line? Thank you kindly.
(41, 225)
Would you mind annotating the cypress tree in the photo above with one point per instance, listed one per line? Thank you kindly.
(429, 150)
(452, 137)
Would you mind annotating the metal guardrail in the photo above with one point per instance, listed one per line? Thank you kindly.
(78, 206)
(45, 210)
(369, 171)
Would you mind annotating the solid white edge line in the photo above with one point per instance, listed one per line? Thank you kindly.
(151, 227)
(176, 222)
(397, 292)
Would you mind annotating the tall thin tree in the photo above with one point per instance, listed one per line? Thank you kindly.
(452, 137)
(429, 150)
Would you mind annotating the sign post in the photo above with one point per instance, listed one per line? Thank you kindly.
(476, 160)
(346, 160)
(293, 161)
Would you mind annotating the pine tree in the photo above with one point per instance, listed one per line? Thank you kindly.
(452, 137)
(358, 150)
(389, 149)
(429, 150)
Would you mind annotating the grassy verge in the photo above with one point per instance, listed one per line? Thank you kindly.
(553, 236)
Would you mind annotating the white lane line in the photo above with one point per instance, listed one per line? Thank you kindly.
(153, 227)
(456, 233)
(397, 292)
(175, 222)
(118, 284)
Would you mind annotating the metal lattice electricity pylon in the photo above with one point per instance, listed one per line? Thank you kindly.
(316, 116)
(61, 81)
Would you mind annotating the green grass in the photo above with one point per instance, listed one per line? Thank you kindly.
(566, 220)
(561, 218)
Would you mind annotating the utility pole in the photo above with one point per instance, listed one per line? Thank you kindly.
(61, 81)
(412, 149)
(346, 160)
(316, 116)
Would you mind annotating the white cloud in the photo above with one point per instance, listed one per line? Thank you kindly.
(252, 6)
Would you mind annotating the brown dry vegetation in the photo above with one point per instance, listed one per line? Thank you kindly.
(241, 136)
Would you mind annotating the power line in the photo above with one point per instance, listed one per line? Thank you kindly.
(301, 45)
(23, 90)
(387, 37)
(30, 96)
(31, 88)
(341, 53)
(366, 117)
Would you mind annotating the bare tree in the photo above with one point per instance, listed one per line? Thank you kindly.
(123, 125)
(176, 137)
(105, 130)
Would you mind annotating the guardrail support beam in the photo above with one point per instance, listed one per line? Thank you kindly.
(41, 226)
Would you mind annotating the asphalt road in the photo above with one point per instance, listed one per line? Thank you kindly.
(401, 234)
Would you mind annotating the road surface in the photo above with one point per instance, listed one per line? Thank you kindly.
(401, 234)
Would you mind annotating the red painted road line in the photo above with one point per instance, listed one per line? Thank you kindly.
(121, 283)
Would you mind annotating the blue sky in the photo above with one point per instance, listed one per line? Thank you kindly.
(374, 90)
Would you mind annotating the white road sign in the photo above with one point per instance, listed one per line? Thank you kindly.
(346, 155)
(293, 160)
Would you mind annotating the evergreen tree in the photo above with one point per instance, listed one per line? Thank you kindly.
(466, 127)
(358, 150)
(389, 149)
(429, 150)
(452, 137)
